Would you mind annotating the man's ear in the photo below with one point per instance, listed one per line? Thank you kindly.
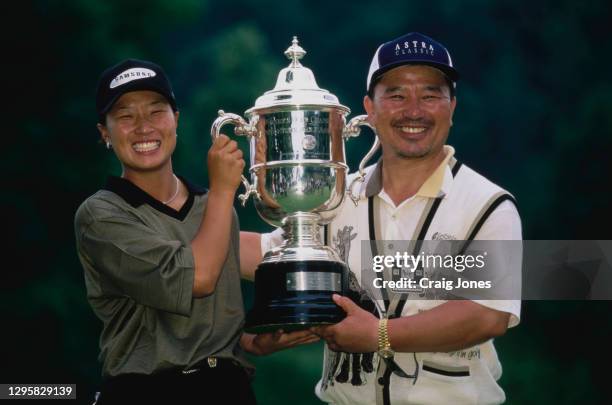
(368, 104)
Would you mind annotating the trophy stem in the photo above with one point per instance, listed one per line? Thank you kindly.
(301, 229)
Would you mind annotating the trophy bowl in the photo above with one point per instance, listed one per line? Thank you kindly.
(298, 174)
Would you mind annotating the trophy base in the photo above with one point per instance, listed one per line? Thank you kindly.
(296, 295)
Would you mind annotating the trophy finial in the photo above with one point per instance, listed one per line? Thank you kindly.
(295, 52)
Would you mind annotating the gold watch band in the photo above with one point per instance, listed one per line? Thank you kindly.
(383, 335)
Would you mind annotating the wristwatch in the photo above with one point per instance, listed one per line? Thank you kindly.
(384, 345)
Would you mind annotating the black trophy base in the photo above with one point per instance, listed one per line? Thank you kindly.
(296, 295)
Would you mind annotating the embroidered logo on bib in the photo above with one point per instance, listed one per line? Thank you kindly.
(348, 367)
(443, 236)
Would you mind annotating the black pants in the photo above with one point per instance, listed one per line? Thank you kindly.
(227, 383)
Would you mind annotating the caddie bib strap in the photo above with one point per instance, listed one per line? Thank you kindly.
(457, 165)
(326, 240)
(395, 307)
(423, 225)
(484, 214)
(383, 378)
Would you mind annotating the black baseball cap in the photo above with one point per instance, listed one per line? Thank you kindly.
(131, 75)
(412, 48)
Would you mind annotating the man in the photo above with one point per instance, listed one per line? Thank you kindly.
(414, 351)
(161, 256)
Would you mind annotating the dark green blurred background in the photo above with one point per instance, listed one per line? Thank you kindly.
(534, 114)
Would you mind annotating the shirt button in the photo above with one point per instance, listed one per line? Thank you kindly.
(381, 381)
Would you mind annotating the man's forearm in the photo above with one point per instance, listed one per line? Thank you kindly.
(453, 325)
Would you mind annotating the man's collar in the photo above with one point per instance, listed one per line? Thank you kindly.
(135, 196)
(436, 185)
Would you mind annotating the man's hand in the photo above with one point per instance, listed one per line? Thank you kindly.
(267, 343)
(225, 165)
(357, 333)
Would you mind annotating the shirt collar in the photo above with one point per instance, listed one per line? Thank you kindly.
(436, 185)
(135, 196)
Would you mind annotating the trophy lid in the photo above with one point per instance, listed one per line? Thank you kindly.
(296, 86)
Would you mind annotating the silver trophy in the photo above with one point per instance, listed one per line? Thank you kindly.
(298, 179)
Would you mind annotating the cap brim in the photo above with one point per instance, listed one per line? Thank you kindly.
(137, 86)
(450, 72)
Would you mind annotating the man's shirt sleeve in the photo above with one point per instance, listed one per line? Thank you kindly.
(503, 224)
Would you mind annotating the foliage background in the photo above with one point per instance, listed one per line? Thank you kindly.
(534, 114)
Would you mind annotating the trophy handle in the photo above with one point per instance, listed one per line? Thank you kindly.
(352, 130)
(242, 128)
